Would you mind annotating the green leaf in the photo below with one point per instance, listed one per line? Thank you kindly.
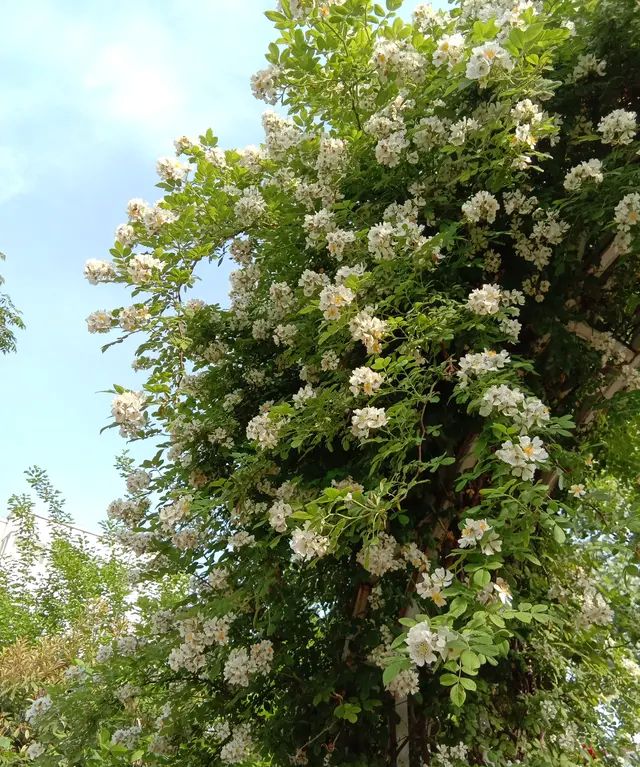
(481, 578)
(393, 5)
(394, 668)
(468, 684)
(559, 534)
(446, 680)
(275, 16)
(470, 659)
(458, 695)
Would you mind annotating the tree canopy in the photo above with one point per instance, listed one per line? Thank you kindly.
(390, 510)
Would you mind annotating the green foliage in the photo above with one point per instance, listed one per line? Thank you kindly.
(387, 508)
(59, 594)
(9, 320)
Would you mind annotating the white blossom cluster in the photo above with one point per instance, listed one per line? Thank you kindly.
(618, 127)
(128, 411)
(475, 365)
(426, 645)
(197, 635)
(524, 457)
(307, 544)
(381, 556)
(479, 531)
(589, 170)
(242, 664)
(127, 737)
(483, 206)
(365, 381)
(431, 585)
(526, 412)
(366, 419)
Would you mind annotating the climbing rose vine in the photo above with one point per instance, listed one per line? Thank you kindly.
(378, 523)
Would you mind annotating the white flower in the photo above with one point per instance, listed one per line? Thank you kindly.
(459, 131)
(399, 58)
(311, 281)
(127, 410)
(329, 361)
(264, 84)
(389, 149)
(138, 480)
(261, 657)
(491, 544)
(365, 419)
(524, 457)
(125, 235)
(136, 209)
(618, 127)
(483, 206)
(35, 750)
(627, 212)
(317, 226)
(365, 380)
(302, 395)
(425, 645)
(278, 514)
(368, 329)
(239, 748)
(127, 737)
(250, 207)
(333, 299)
(338, 241)
(183, 144)
(381, 556)
(527, 113)
(481, 363)
(485, 300)
(449, 50)
(170, 169)
(404, 684)
(98, 271)
(501, 587)
(472, 532)
(578, 490)
(430, 132)
(99, 322)
(156, 217)
(381, 242)
(588, 63)
(264, 430)
(284, 335)
(143, 267)
(486, 57)
(590, 170)
(432, 586)
(307, 544)
(133, 317)
(240, 539)
(332, 156)
(344, 272)
(281, 134)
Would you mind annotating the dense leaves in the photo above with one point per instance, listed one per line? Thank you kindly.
(393, 467)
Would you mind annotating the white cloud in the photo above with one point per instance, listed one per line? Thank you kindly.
(90, 80)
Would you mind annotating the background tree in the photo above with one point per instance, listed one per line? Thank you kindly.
(9, 320)
(392, 465)
(59, 594)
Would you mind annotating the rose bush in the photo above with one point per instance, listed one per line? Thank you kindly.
(383, 465)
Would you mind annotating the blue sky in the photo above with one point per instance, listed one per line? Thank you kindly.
(91, 94)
